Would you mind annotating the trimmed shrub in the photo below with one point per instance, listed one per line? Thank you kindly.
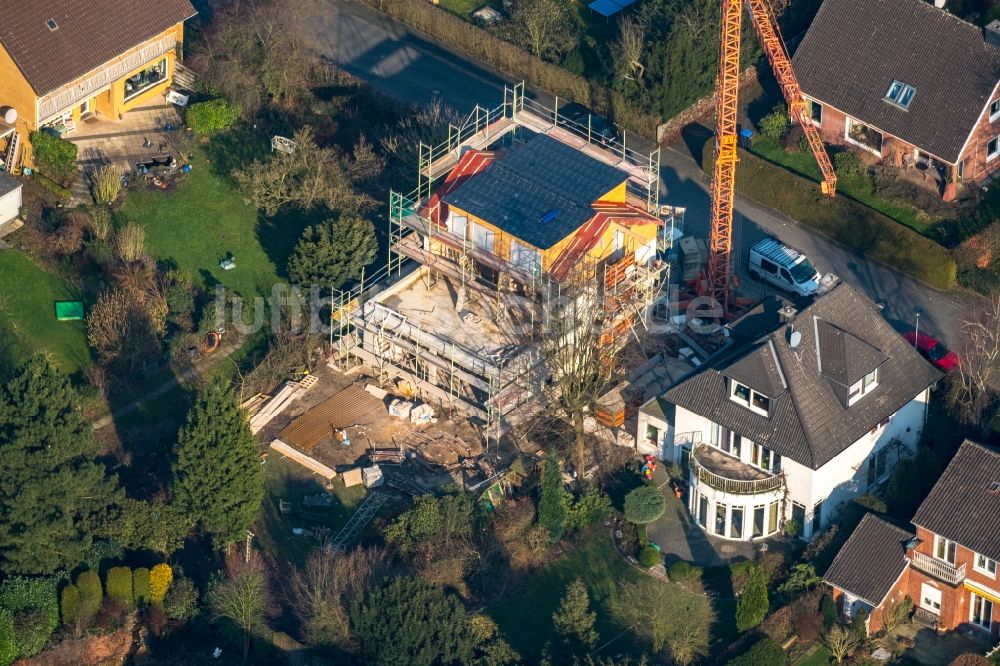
(982, 280)
(848, 166)
(34, 605)
(680, 570)
(765, 652)
(51, 185)
(69, 603)
(648, 557)
(828, 609)
(850, 223)
(140, 585)
(91, 593)
(118, 585)
(8, 639)
(591, 507)
(53, 155)
(775, 124)
(159, 582)
(644, 505)
(212, 116)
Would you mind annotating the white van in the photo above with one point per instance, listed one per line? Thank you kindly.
(785, 267)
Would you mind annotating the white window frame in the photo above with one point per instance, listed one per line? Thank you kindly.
(862, 387)
(898, 91)
(525, 257)
(854, 142)
(994, 110)
(931, 594)
(990, 156)
(482, 237)
(973, 597)
(457, 224)
(150, 65)
(985, 569)
(946, 544)
(813, 104)
(751, 394)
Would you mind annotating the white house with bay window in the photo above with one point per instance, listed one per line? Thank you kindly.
(801, 412)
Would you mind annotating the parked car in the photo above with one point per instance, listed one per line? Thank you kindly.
(601, 131)
(785, 267)
(933, 350)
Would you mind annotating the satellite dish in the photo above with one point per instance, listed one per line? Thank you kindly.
(795, 339)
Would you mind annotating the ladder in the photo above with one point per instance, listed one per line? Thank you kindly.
(12, 156)
(361, 517)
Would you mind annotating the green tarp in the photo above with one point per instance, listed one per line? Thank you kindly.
(69, 310)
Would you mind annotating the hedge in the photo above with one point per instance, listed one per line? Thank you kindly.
(53, 155)
(160, 579)
(212, 116)
(482, 45)
(69, 603)
(765, 652)
(850, 223)
(140, 585)
(34, 605)
(8, 639)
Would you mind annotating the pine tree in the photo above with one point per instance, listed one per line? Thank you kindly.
(53, 490)
(217, 477)
(753, 603)
(331, 253)
(574, 620)
(552, 506)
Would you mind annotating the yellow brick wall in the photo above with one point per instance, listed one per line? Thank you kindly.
(15, 92)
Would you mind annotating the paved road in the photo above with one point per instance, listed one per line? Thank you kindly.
(409, 67)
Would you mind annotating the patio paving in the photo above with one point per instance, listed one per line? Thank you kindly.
(681, 539)
(933, 649)
(138, 135)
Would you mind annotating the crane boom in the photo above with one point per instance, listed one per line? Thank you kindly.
(726, 110)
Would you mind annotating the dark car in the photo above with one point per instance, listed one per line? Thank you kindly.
(933, 350)
(601, 131)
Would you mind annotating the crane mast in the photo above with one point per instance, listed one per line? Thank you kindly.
(726, 110)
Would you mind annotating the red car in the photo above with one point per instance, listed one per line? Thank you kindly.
(933, 350)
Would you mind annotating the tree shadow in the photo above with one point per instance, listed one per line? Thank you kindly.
(279, 234)
(695, 136)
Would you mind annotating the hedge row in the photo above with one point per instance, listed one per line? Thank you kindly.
(509, 59)
(848, 222)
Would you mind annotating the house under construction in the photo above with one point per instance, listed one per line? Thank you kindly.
(516, 207)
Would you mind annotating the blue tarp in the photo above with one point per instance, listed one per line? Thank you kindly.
(605, 8)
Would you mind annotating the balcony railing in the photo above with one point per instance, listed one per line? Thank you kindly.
(72, 93)
(938, 568)
(733, 486)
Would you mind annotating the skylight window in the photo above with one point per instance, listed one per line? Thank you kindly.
(900, 94)
(51, 23)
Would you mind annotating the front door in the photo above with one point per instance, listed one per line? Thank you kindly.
(930, 598)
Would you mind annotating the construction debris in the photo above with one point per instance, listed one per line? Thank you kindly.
(352, 477)
(400, 408)
(281, 400)
(372, 476)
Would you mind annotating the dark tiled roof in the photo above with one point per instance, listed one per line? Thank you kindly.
(808, 422)
(871, 560)
(660, 409)
(541, 179)
(961, 506)
(855, 49)
(758, 369)
(8, 183)
(89, 33)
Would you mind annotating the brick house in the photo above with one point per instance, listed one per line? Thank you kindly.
(921, 92)
(61, 60)
(949, 564)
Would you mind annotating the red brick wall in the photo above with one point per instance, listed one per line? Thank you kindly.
(976, 166)
(833, 126)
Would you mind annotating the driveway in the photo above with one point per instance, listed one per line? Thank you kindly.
(406, 65)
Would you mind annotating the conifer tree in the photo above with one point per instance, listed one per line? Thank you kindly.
(552, 505)
(53, 490)
(217, 477)
(753, 603)
(574, 620)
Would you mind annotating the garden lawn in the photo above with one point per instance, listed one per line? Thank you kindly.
(28, 321)
(525, 615)
(198, 223)
(463, 8)
(821, 657)
(804, 164)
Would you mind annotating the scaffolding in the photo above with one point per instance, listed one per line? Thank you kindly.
(487, 385)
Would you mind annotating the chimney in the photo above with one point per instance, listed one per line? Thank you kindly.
(939, 4)
(787, 313)
(991, 33)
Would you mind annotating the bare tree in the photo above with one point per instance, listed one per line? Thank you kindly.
(544, 27)
(258, 49)
(841, 641)
(630, 46)
(971, 390)
(321, 591)
(306, 177)
(652, 610)
(243, 594)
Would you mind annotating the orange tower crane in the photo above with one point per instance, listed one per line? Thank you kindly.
(726, 109)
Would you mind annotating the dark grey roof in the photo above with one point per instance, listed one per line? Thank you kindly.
(8, 183)
(855, 49)
(962, 506)
(844, 358)
(660, 409)
(808, 422)
(540, 192)
(871, 560)
(87, 34)
(758, 369)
